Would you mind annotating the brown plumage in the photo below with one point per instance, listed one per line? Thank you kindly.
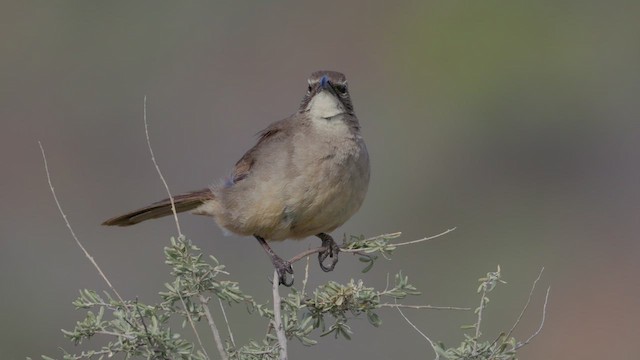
(184, 202)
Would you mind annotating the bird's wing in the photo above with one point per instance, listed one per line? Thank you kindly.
(273, 132)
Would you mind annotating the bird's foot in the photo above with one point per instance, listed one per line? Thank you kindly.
(331, 251)
(283, 267)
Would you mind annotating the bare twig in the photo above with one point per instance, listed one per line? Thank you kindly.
(306, 277)
(175, 217)
(224, 314)
(306, 253)
(482, 305)
(312, 251)
(73, 234)
(524, 309)
(425, 307)
(153, 158)
(320, 249)
(277, 317)
(544, 315)
(426, 238)
(433, 346)
(144, 326)
(193, 326)
(214, 329)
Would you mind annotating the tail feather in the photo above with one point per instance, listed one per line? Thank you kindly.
(184, 202)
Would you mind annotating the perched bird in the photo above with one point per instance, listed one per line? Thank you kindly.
(306, 176)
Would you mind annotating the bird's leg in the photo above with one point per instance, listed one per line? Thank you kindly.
(282, 266)
(332, 250)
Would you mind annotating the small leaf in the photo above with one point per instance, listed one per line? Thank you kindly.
(374, 319)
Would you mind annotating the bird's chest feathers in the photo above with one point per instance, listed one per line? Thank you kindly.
(332, 128)
(327, 146)
(329, 174)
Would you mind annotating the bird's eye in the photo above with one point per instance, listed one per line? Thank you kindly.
(342, 89)
(309, 88)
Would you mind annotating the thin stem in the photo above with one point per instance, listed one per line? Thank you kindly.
(544, 315)
(73, 234)
(426, 238)
(277, 317)
(214, 329)
(306, 253)
(433, 346)
(533, 287)
(425, 307)
(224, 314)
(193, 326)
(312, 251)
(153, 158)
(482, 304)
(306, 277)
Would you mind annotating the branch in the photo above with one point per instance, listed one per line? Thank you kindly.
(424, 307)
(426, 238)
(214, 328)
(306, 277)
(73, 234)
(533, 287)
(193, 326)
(203, 300)
(544, 315)
(153, 158)
(343, 248)
(482, 305)
(433, 346)
(224, 314)
(277, 317)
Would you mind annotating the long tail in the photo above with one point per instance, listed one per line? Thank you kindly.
(184, 202)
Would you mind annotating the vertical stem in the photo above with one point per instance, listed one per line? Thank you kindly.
(193, 325)
(277, 318)
(214, 328)
(153, 159)
(482, 304)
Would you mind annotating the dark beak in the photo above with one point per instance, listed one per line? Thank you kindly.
(324, 82)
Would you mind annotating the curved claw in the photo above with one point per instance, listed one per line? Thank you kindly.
(323, 256)
(332, 250)
(283, 268)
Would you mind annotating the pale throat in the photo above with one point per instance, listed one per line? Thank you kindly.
(325, 105)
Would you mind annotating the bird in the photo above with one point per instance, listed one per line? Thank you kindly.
(306, 176)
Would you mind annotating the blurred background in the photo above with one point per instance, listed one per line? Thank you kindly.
(516, 122)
